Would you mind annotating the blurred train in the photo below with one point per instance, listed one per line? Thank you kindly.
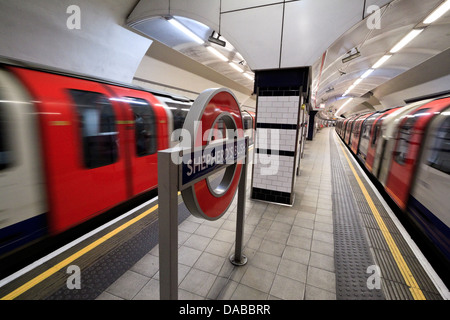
(407, 149)
(73, 147)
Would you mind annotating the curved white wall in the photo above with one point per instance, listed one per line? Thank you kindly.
(36, 31)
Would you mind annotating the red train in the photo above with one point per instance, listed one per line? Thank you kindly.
(73, 147)
(407, 150)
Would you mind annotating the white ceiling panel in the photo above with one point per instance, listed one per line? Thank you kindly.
(256, 34)
(144, 9)
(205, 11)
(231, 5)
(311, 26)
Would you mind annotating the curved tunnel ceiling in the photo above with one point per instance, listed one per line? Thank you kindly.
(397, 19)
(282, 34)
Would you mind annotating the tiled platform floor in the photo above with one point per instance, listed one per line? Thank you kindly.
(290, 250)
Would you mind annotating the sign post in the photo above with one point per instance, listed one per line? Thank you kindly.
(187, 169)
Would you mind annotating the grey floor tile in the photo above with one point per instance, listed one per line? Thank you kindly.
(322, 261)
(147, 266)
(323, 236)
(296, 254)
(271, 247)
(219, 248)
(287, 289)
(206, 231)
(198, 282)
(149, 292)
(265, 261)
(299, 242)
(313, 293)
(128, 285)
(188, 256)
(197, 242)
(322, 279)
(244, 292)
(210, 263)
(293, 270)
(225, 235)
(258, 279)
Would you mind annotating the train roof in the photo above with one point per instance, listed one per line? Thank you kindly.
(44, 68)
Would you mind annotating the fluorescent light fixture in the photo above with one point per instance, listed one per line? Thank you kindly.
(439, 12)
(217, 53)
(248, 76)
(186, 31)
(235, 66)
(381, 61)
(406, 39)
(343, 106)
(367, 73)
(358, 81)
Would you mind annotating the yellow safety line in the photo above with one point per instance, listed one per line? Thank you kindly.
(401, 263)
(30, 284)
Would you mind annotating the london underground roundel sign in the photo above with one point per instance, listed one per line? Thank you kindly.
(214, 123)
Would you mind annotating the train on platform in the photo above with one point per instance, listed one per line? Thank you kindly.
(407, 151)
(73, 147)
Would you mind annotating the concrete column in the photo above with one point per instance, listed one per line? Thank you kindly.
(279, 98)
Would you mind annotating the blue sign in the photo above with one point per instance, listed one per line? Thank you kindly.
(201, 163)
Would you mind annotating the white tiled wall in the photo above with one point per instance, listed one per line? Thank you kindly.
(278, 109)
(277, 139)
(271, 171)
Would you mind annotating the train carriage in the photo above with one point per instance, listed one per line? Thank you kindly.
(73, 147)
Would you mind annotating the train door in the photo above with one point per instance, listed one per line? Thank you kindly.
(430, 201)
(147, 132)
(22, 195)
(409, 139)
(83, 139)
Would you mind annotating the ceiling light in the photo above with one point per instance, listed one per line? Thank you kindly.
(436, 14)
(367, 73)
(381, 61)
(249, 76)
(406, 39)
(235, 66)
(217, 53)
(343, 106)
(357, 82)
(186, 31)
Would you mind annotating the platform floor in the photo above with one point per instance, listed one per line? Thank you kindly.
(332, 244)
(293, 252)
(290, 250)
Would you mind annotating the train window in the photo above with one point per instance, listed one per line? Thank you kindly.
(404, 136)
(98, 128)
(145, 126)
(5, 152)
(440, 148)
(247, 122)
(179, 113)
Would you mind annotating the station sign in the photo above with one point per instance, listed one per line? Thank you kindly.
(203, 156)
(215, 110)
(215, 156)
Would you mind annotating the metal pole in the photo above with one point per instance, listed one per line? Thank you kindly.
(168, 225)
(238, 259)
